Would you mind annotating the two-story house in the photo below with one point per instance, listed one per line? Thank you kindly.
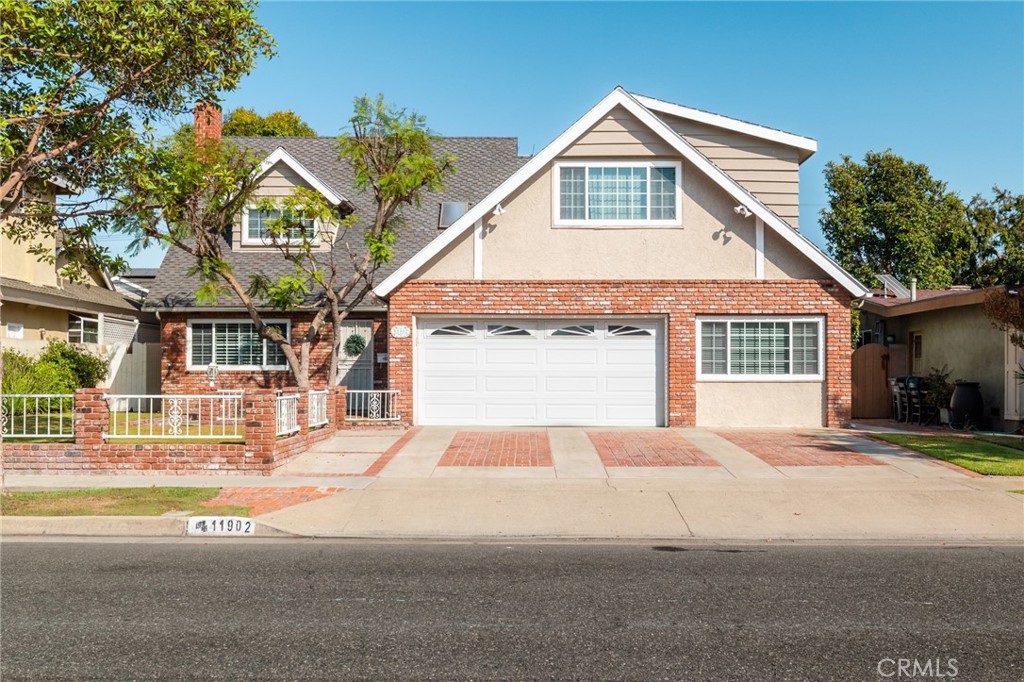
(644, 269)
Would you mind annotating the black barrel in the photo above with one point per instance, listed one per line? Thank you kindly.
(966, 405)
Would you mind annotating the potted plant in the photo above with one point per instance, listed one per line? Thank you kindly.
(940, 390)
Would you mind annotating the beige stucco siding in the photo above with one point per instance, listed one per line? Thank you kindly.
(770, 171)
(523, 244)
(619, 134)
(40, 323)
(782, 261)
(782, 403)
(964, 340)
(456, 262)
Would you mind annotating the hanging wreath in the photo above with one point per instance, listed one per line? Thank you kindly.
(355, 345)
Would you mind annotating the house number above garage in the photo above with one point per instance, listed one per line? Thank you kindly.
(400, 331)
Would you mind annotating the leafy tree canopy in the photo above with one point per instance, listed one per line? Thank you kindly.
(81, 84)
(888, 215)
(247, 123)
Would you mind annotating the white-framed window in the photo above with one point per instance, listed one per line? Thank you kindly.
(233, 344)
(760, 348)
(607, 193)
(83, 329)
(256, 230)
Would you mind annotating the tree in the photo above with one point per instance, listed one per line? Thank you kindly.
(247, 123)
(196, 189)
(888, 215)
(81, 84)
(999, 225)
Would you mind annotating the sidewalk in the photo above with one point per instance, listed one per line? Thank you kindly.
(448, 483)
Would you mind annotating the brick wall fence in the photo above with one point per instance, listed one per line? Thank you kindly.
(260, 453)
(680, 302)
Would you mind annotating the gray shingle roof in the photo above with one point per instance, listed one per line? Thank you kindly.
(482, 164)
(75, 297)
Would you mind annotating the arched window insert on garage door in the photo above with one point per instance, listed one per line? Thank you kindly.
(506, 330)
(454, 330)
(574, 330)
(626, 330)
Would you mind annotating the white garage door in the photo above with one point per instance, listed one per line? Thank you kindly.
(539, 372)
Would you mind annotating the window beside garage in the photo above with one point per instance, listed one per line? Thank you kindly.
(761, 348)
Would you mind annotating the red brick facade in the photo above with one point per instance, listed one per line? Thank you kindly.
(680, 302)
(175, 377)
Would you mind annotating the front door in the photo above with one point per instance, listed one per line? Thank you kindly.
(355, 372)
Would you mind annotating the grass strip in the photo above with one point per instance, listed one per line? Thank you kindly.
(152, 501)
(969, 452)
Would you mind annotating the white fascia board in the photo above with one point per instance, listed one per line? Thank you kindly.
(529, 169)
(619, 97)
(281, 155)
(743, 196)
(736, 125)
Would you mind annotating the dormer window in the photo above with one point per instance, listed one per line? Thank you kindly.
(256, 227)
(450, 212)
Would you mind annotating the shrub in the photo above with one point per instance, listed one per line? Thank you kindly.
(61, 368)
(87, 369)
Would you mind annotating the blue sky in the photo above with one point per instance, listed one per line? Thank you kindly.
(939, 83)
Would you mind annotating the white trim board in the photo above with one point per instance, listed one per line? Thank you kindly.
(771, 134)
(281, 155)
(619, 97)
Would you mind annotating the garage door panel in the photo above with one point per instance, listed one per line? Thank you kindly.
(511, 413)
(571, 384)
(570, 356)
(599, 375)
(571, 413)
(453, 357)
(452, 413)
(510, 384)
(510, 356)
(449, 384)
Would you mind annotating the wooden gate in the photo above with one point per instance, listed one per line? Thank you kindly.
(871, 397)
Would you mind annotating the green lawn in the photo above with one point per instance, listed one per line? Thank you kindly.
(984, 455)
(151, 501)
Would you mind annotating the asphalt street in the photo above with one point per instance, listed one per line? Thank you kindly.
(336, 610)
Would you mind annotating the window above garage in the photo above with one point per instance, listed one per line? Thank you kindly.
(759, 349)
(614, 194)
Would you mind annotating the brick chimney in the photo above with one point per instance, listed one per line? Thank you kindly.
(207, 121)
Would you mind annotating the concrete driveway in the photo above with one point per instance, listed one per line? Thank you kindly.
(595, 453)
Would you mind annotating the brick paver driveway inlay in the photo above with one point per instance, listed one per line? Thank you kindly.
(647, 449)
(498, 449)
(266, 500)
(797, 449)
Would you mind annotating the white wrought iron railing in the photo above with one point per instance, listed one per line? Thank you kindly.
(317, 408)
(372, 405)
(174, 417)
(287, 414)
(42, 415)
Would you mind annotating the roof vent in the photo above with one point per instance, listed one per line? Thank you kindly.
(450, 212)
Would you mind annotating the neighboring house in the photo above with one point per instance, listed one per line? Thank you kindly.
(927, 329)
(39, 305)
(644, 269)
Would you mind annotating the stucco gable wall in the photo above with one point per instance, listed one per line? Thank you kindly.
(523, 243)
(770, 171)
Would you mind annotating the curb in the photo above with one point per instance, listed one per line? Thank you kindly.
(110, 526)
